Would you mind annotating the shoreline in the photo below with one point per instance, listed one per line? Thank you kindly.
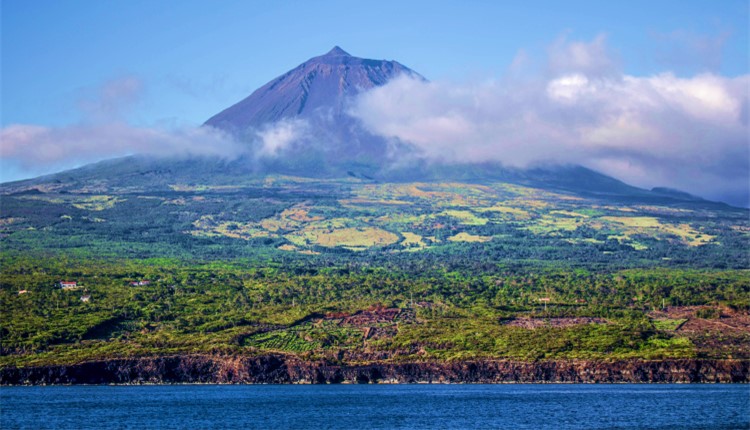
(279, 369)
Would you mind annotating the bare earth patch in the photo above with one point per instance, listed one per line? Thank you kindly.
(726, 333)
(531, 323)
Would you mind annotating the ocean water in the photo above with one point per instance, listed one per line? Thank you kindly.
(377, 407)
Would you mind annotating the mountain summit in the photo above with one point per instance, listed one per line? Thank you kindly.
(315, 89)
(337, 51)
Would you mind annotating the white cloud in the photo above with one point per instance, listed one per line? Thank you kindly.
(32, 146)
(591, 58)
(277, 137)
(568, 88)
(661, 130)
(103, 133)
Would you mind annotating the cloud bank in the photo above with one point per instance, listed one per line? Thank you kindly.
(661, 130)
(104, 133)
(35, 145)
(275, 138)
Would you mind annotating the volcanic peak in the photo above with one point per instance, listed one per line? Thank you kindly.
(337, 52)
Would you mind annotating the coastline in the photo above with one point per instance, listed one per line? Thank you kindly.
(280, 369)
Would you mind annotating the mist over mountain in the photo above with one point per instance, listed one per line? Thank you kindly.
(303, 114)
(309, 122)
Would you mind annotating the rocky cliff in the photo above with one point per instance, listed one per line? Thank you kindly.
(279, 369)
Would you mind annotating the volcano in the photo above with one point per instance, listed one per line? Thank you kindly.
(299, 124)
(310, 103)
(319, 87)
(308, 107)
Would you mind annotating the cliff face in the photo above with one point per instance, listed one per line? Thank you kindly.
(277, 369)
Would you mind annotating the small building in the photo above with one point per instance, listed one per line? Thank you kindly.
(85, 298)
(22, 292)
(544, 300)
(68, 285)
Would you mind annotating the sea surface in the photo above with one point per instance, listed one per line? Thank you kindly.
(377, 407)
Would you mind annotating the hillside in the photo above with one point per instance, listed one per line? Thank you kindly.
(275, 215)
(329, 257)
(349, 271)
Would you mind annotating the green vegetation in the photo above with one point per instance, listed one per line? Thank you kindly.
(667, 324)
(262, 218)
(364, 311)
(355, 271)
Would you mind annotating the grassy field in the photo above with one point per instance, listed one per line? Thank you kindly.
(377, 215)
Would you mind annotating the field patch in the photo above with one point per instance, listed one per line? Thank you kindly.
(668, 324)
(514, 212)
(89, 203)
(548, 224)
(634, 221)
(372, 202)
(289, 219)
(97, 203)
(570, 214)
(291, 248)
(467, 237)
(9, 221)
(412, 241)
(626, 240)
(354, 237)
(439, 195)
(207, 226)
(466, 217)
(651, 226)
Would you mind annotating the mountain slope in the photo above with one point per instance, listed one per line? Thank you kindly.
(308, 105)
(298, 122)
(317, 87)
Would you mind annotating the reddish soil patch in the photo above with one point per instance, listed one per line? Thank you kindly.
(725, 336)
(369, 318)
(727, 320)
(377, 315)
(379, 332)
(376, 322)
(553, 322)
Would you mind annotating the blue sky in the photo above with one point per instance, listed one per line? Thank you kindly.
(183, 61)
(197, 57)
